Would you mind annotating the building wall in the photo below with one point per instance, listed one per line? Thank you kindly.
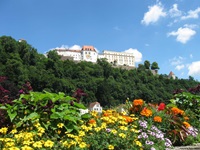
(120, 58)
(88, 53)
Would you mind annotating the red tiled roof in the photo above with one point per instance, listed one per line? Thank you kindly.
(93, 104)
(88, 48)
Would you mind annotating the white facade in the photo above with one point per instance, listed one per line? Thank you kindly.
(95, 106)
(88, 53)
(120, 58)
(75, 54)
(83, 111)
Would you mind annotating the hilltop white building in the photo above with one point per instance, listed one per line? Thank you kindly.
(89, 53)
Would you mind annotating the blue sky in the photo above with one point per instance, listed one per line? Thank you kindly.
(164, 31)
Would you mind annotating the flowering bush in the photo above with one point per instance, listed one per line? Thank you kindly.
(51, 121)
(168, 118)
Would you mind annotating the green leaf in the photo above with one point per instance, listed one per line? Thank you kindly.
(70, 118)
(86, 116)
(12, 115)
(79, 105)
(3, 107)
(33, 116)
(56, 115)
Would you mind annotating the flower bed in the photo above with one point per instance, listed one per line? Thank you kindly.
(53, 121)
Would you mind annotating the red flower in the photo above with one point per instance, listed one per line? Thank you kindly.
(161, 106)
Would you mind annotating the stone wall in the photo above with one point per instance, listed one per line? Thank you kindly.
(193, 147)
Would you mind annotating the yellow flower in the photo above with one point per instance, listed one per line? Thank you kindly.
(49, 143)
(41, 129)
(81, 133)
(10, 144)
(3, 130)
(37, 144)
(59, 131)
(113, 131)
(122, 135)
(60, 125)
(111, 147)
(123, 128)
(26, 148)
(157, 119)
(27, 142)
(138, 143)
(186, 124)
(13, 148)
(82, 145)
(13, 131)
(134, 130)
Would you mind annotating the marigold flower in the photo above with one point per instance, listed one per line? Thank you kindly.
(157, 119)
(161, 106)
(92, 121)
(138, 102)
(128, 119)
(177, 111)
(186, 124)
(146, 112)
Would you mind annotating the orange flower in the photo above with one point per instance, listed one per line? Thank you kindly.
(138, 102)
(92, 121)
(157, 119)
(186, 118)
(177, 111)
(186, 124)
(128, 119)
(146, 112)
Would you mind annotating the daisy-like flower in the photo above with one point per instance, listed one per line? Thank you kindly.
(49, 143)
(60, 125)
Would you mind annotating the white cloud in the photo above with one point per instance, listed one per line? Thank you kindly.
(191, 26)
(75, 47)
(192, 14)
(183, 35)
(154, 14)
(137, 54)
(179, 67)
(174, 12)
(176, 61)
(194, 69)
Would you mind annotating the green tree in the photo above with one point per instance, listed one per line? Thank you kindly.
(147, 64)
(154, 66)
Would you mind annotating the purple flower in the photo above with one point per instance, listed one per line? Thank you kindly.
(149, 142)
(108, 129)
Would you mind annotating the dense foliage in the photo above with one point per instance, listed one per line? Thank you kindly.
(110, 86)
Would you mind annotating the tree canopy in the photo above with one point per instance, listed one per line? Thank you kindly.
(102, 82)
